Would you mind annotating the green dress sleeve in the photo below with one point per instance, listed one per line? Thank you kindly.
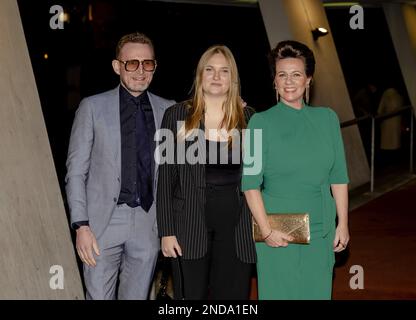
(254, 153)
(338, 173)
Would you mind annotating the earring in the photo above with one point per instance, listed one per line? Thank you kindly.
(277, 91)
(307, 95)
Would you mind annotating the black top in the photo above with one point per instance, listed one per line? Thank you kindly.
(220, 168)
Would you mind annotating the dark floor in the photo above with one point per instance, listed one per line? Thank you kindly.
(383, 243)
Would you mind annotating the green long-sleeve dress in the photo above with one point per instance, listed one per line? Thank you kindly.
(299, 156)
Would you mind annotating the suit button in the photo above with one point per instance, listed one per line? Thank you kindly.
(115, 199)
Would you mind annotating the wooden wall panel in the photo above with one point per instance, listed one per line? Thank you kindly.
(34, 232)
(401, 19)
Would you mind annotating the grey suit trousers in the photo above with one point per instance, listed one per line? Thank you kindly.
(129, 248)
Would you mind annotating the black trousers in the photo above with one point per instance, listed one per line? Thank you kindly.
(219, 274)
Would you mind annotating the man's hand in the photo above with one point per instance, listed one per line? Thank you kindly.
(85, 245)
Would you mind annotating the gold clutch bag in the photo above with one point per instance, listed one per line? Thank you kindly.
(295, 224)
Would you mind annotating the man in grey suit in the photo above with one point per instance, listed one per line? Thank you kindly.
(111, 178)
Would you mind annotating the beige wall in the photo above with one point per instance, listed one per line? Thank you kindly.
(34, 232)
(409, 14)
(401, 20)
(288, 19)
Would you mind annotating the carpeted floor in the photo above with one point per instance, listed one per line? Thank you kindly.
(381, 256)
(383, 243)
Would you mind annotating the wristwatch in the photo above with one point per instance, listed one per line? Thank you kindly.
(78, 224)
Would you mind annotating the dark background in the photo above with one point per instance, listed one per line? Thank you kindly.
(79, 56)
(366, 55)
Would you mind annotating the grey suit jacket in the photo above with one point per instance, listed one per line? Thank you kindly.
(94, 158)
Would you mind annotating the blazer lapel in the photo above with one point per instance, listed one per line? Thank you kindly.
(157, 110)
(112, 117)
(198, 169)
(157, 117)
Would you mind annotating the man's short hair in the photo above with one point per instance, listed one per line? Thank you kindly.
(135, 37)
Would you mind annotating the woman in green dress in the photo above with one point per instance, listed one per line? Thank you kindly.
(300, 160)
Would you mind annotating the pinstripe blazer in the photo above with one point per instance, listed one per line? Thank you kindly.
(180, 203)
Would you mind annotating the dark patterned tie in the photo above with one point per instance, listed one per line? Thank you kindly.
(144, 158)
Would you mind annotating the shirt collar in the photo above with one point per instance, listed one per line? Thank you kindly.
(126, 96)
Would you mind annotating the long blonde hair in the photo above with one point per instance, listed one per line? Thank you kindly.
(232, 106)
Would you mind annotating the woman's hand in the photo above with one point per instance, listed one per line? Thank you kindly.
(342, 237)
(272, 238)
(170, 247)
(277, 239)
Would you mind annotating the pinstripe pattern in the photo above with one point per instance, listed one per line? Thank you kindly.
(181, 201)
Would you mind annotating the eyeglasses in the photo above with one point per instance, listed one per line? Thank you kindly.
(132, 65)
